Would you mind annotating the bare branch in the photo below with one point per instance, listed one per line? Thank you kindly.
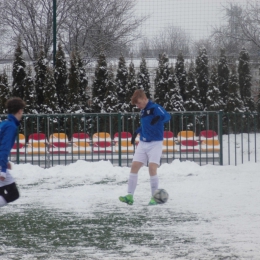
(243, 27)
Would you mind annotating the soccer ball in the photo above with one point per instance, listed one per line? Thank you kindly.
(161, 196)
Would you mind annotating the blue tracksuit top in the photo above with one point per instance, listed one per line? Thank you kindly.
(154, 132)
(8, 133)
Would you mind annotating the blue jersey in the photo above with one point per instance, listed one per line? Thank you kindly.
(8, 132)
(154, 132)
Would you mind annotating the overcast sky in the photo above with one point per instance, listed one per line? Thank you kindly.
(195, 16)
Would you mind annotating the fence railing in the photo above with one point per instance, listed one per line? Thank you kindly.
(203, 137)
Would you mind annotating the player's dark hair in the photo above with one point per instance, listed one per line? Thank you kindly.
(14, 104)
(138, 94)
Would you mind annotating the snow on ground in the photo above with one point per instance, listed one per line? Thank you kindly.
(213, 213)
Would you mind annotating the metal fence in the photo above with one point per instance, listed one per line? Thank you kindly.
(203, 137)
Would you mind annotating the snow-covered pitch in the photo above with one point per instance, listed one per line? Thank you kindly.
(73, 212)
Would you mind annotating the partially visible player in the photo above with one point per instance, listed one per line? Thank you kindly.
(150, 146)
(8, 133)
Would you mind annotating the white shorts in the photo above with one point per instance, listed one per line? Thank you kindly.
(148, 152)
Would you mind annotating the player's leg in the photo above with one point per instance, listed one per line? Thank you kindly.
(140, 158)
(154, 157)
(133, 177)
(2, 200)
(154, 180)
(10, 194)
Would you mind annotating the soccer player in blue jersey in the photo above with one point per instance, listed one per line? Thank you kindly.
(8, 133)
(149, 149)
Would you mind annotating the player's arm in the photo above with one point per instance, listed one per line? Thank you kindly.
(6, 146)
(136, 132)
(160, 115)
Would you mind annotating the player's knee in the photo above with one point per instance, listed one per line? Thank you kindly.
(153, 168)
(136, 167)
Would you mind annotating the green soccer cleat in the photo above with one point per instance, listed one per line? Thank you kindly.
(152, 202)
(128, 199)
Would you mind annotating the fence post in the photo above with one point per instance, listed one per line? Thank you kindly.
(17, 148)
(207, 121)
(220, 133)
(119, 139)
(255, 129)
(25, 134)
(110, 125)
(48, 147)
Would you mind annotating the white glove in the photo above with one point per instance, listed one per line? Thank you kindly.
(3, 175)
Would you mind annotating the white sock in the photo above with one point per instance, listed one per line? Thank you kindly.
(2, 201)
(132, 183)
(154, 181)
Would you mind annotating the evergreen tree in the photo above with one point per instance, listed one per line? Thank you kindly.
(161, 80)
(73, 86)
(41, 72)
(4, 92)
(31, 105)
(249, 104)
(4, 80)
(214, 101)
(29, 94)
(258, 104)
(144, 78)
(121, 81)
(50, 98)
(76, 93)
(99, 84)
(181, 74)
(202, 71)
(61, 75)
(110, 104)
(234, 101)
(223, 75)
(19, 73)
(192, 93)
(174, 101)
(244, 77)
(83, 84)
(131, 87)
